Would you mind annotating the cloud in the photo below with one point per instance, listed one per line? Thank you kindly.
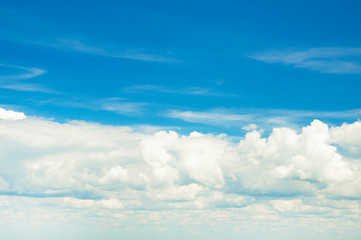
(212, 117)
(11, 115)
(46, 37)
(122, 107)
(348, 137)
(113, 52)
(13, 81)
(28, 87)
(187, 91)
(250, 127)
(115, 173)
(117, 105)
(29, 73)
(325, 60)
(296, 206)
(82, 159)
(262, 117)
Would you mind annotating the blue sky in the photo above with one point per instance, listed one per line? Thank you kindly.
(180, 119)
(133, 62)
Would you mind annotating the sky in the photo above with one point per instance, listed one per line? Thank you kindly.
(198, 120)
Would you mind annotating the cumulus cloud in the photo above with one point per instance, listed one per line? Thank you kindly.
(11, 115)
(83, 159)
(80, 165)
(348, 137)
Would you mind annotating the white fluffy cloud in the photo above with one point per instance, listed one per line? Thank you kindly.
(92, 160)
(92, 166)
(348, 137)
(11, 115)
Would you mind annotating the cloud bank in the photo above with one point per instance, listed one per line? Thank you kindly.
(313, 175)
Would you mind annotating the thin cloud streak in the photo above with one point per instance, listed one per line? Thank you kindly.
(14, 81)
(58, 42)
(29, 73)
(212, 117)
(122, 107)
(29, 88)
(262, 117)
(196, 91)
(325, 60)
(117, 105)
(113, 52)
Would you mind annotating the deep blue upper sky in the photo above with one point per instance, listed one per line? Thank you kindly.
(217, 64)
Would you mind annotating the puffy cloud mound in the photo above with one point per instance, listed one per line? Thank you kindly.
(11, 115)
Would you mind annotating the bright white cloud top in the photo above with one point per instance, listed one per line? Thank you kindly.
(105, 179)
(11, 115)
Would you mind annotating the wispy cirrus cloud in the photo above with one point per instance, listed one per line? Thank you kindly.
(120, 106)
(108, 51)
(78, 44)
(28, 74)
(263, 117)
(28, 87)
(325, 60)
(211, 117)
(196, 91)
(14, 81)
